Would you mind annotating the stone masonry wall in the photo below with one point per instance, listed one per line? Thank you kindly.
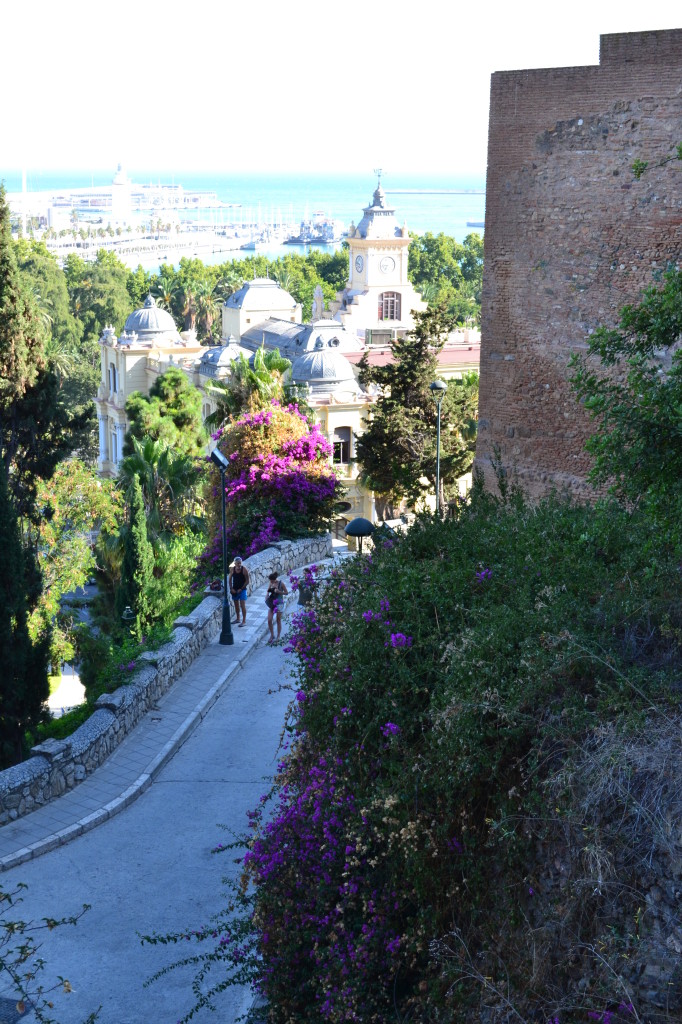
(571, 236)
(59, 765)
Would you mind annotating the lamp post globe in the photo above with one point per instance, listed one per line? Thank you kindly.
(226, 635)
(438, 389)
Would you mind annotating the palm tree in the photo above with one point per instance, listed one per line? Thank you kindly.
(230, 282)
(248, 388)
(282, 276)
(428, 291)
(185, 292)
(61, 360)
(168, 480)
(208, 308)
(165, 294)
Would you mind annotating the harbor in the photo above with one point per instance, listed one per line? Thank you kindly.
(219, 218)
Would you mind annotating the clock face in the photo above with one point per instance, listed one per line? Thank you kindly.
(387, 265)
(359, 264)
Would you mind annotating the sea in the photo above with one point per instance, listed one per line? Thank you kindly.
(452, 204)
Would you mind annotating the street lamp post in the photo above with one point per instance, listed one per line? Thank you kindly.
(360, 528)
(438, 389)
(226, 635)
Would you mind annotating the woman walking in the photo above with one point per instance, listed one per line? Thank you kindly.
(275, 602)
(239, 581)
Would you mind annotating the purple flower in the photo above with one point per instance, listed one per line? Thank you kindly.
(400, 640)
(390, 729)
(483, 575)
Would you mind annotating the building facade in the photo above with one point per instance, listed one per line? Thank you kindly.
(377, 304)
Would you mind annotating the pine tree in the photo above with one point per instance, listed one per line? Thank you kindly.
(397, 451)
(171, 413)
(138, 563)
(23, 665)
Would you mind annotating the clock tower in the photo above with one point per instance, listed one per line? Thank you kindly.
(379, 296)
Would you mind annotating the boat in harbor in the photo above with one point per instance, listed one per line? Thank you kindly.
(320, 230)
(255, 243)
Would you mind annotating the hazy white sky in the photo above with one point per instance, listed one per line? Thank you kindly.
(273, 85)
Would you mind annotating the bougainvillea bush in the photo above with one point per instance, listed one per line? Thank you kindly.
(472, 796)
(279, 484)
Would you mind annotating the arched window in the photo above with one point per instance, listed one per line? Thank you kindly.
(389, 306)
(114, 448)
(341, 442)
(112, 378)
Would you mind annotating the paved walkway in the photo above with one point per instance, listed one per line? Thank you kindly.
(134, 765)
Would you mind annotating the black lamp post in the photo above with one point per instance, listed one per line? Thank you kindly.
(128, 616)
(438, 389)
(359, 527)
(226, 636)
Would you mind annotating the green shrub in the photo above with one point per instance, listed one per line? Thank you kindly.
(451, 685)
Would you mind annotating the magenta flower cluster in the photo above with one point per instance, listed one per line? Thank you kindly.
(339, 921)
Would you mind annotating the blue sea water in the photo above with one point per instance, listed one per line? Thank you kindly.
(426, 202)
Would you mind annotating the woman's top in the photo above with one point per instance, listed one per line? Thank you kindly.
(239, 579)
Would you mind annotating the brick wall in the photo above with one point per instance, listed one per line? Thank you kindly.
(571, 236)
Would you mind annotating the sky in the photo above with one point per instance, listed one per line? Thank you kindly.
(302, 86)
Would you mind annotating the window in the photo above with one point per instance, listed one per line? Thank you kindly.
(112, 378)
(341, 442)
(389, 306)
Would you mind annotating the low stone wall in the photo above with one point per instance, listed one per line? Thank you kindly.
(58, 765)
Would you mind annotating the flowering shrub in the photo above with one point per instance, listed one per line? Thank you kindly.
(279, 482)
(435, 740)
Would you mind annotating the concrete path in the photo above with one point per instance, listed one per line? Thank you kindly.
(134, 765)
(151, 868)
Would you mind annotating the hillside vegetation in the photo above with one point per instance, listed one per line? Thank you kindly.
(476, 817)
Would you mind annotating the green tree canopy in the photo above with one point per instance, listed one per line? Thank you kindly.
(99, 292)
(630, 380)
(447, 273)
(37, 429)
(397, 451)
(48, 284)
(170, 413)
(23, 676)
(22, 339)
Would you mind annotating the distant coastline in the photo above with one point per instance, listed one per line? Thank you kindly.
(425, 202)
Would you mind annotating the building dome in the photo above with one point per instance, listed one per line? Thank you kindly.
(151, 323)
(262, 295)
(327, 334)
(324, 370)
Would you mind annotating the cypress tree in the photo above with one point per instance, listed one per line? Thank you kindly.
(22, 350)
(37, 430)
(23, 666)
(138, 562)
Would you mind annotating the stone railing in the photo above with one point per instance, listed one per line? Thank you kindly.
(58, 765)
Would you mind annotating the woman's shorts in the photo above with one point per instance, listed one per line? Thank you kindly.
(240, 595)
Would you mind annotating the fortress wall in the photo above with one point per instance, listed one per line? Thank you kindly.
(571, 236)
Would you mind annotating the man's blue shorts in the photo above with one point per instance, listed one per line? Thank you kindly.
(239, 595)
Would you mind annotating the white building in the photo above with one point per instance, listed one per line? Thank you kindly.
(375, 306)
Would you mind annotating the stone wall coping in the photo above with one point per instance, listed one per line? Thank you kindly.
(31, 783)
(19, 775)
